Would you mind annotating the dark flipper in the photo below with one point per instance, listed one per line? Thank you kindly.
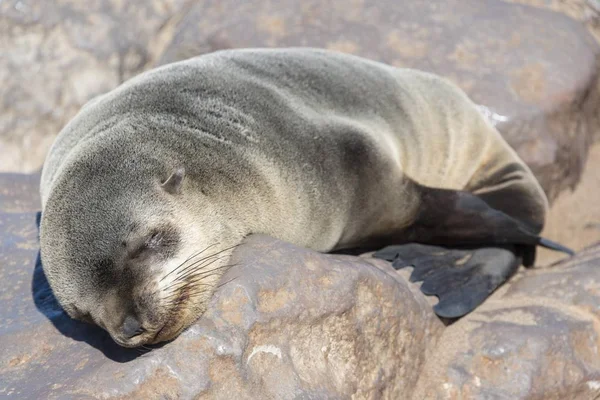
(467, 248)
(549, 244)
(451, 218)
(461, 278)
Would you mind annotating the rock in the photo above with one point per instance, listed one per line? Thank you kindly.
(292, 323)
(574, 219)
(19, 193)
(535, 338)
(59, 54)
(532, 70)
(586, 11)
(289, 323)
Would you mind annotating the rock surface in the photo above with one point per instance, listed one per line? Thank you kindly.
(292, 323)
(574, 218)
(536, 338)
(586, 11)
(533, 70)
(56, 55)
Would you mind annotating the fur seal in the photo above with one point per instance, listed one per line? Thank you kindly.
(149, 188)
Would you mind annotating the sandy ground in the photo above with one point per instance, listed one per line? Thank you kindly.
(574, 218)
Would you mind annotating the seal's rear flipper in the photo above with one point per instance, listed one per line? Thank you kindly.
(462, 278)
(549, 244)
(452, 217)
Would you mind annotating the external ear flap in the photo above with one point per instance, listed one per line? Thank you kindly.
(174, 182)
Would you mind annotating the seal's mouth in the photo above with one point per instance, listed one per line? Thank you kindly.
(166, 332)
(157, 336)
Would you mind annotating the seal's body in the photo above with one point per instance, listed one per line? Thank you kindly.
(317, 148)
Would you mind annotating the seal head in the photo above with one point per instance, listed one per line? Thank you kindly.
(120, 248)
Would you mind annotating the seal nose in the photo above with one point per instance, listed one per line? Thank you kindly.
(131, 327)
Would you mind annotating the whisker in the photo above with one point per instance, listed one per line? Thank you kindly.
(198, 266)
(178, 279)
(202, 269)
(198, 286)
(196, 262)
(193, 272)
(177, 294)
(196, 283)
(199, 279)
(193, 255)
(205, 258)
(194, 266)
(195, 280)
(192, 278)
(199, 290)
(184, 262)
(189, 267)
(197, 294)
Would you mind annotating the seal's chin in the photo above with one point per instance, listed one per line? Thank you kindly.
(133, 342)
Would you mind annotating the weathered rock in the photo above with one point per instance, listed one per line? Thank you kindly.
(533, 71)
(290, 323)
(574, 218)
(19, 193)
(56, 55)
(537, 338)
(586, 11)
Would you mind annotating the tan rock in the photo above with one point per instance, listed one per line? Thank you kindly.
(537, 338)
(57, 55)
(293, 323)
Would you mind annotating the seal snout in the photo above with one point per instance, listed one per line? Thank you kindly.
(131, 327)
(131, 332)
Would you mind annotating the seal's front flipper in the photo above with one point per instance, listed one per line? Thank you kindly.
(461, 278)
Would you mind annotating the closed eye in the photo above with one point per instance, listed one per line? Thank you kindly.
(159, 240)
(155, 240)
(152, 242)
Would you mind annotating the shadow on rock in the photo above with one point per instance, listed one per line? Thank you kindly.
(47, 304)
